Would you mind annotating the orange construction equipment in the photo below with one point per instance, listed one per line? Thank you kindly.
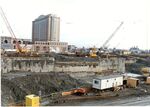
(67, 93)
(78, 91)
(81, 90)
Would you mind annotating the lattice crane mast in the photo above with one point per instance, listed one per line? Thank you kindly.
(110, 37)
(10, 30)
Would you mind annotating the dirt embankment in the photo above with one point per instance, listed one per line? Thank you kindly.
(16, 88)
(136, 67)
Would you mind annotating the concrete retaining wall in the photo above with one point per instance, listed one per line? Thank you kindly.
(48, 65)
(26, 64)
(115, 64)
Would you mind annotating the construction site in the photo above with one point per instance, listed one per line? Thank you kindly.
(59, 78)
(50, 78)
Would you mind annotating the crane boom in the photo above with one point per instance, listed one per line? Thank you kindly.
(110, 37)
(10, 29)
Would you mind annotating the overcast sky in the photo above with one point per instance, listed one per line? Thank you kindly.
(84, 22)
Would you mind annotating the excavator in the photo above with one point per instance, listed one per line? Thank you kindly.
(20, 50)
(91, 52)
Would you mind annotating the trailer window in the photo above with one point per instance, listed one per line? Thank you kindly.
(96, 82)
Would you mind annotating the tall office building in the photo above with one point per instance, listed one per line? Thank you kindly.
(46, 28)
(45, 34)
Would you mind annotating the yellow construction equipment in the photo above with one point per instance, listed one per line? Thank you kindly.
(145, 71)
(32, 100)
(92, 52)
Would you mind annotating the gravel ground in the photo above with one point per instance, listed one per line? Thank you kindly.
(126, 97)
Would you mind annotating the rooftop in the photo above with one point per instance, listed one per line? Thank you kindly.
(41, 17)
(131, 75)
(107, 77)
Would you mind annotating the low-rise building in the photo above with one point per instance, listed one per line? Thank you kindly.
(126, 52)
(135, 50)
(50, 46)
(10, 43)
(71, 48)
(39, 46)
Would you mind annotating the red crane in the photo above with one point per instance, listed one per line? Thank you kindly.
(10, 30)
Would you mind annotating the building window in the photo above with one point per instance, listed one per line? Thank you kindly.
(14, 42)
(24, 42)
(5, 41)
(19, 42)
(37, 48)
(94, 66)
(96, 82)
(44, 48)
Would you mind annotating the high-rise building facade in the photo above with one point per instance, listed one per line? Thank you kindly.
(46, 28)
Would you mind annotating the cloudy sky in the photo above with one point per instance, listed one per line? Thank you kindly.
(84, 22)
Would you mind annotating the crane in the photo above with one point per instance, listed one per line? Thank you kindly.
(110, 37)
(11, 31)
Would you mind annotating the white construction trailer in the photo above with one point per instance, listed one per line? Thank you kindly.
(106, 82)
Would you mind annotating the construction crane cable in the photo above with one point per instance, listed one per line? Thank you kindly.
(10, 29)
(106, 42)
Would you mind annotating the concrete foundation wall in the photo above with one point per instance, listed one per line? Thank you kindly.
(48, 65)
(26, 64)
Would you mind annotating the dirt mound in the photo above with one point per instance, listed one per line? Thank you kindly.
(47, 83)
(136, 67)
